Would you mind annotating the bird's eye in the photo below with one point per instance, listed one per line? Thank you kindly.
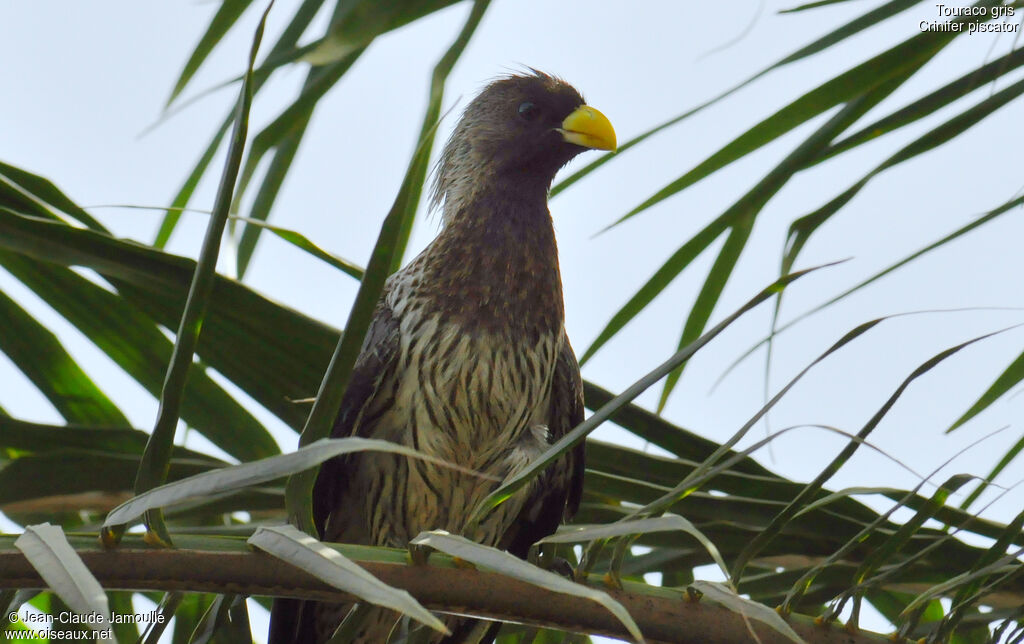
(528, 111)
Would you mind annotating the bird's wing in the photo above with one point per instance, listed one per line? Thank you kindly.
(561, 485)
(566, 412)
(375, 363)
(292, 620)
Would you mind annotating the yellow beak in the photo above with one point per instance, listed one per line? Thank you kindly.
(589, 128)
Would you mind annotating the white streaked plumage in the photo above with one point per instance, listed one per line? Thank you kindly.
(466, 360)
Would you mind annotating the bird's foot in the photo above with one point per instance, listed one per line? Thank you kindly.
(419, 554)
(561, 566)
(546, 559)
(612, 580)
(459, 562)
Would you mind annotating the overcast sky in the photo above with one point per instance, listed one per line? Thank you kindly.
(83, 80)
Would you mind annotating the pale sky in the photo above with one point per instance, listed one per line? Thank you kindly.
(84, 79)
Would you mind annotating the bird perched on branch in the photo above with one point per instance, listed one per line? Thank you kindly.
(467, 358)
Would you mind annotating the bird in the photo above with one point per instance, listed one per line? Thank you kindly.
(466, 358)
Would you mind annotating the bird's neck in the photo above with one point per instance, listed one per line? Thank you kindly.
(495, 263)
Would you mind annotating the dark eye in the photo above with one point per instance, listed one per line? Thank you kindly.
(528, 111)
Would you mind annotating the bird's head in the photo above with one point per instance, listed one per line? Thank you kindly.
(519, 129)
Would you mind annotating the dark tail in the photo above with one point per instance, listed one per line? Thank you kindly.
(292, 622)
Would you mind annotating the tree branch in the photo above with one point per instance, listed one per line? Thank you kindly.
(228, 567)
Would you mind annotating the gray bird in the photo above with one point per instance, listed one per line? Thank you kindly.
(466, 358)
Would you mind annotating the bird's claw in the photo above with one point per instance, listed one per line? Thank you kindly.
(612, 580)
(548, 560)
(419, 554)
(459, 562)
(561, 566)
(153, 538)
